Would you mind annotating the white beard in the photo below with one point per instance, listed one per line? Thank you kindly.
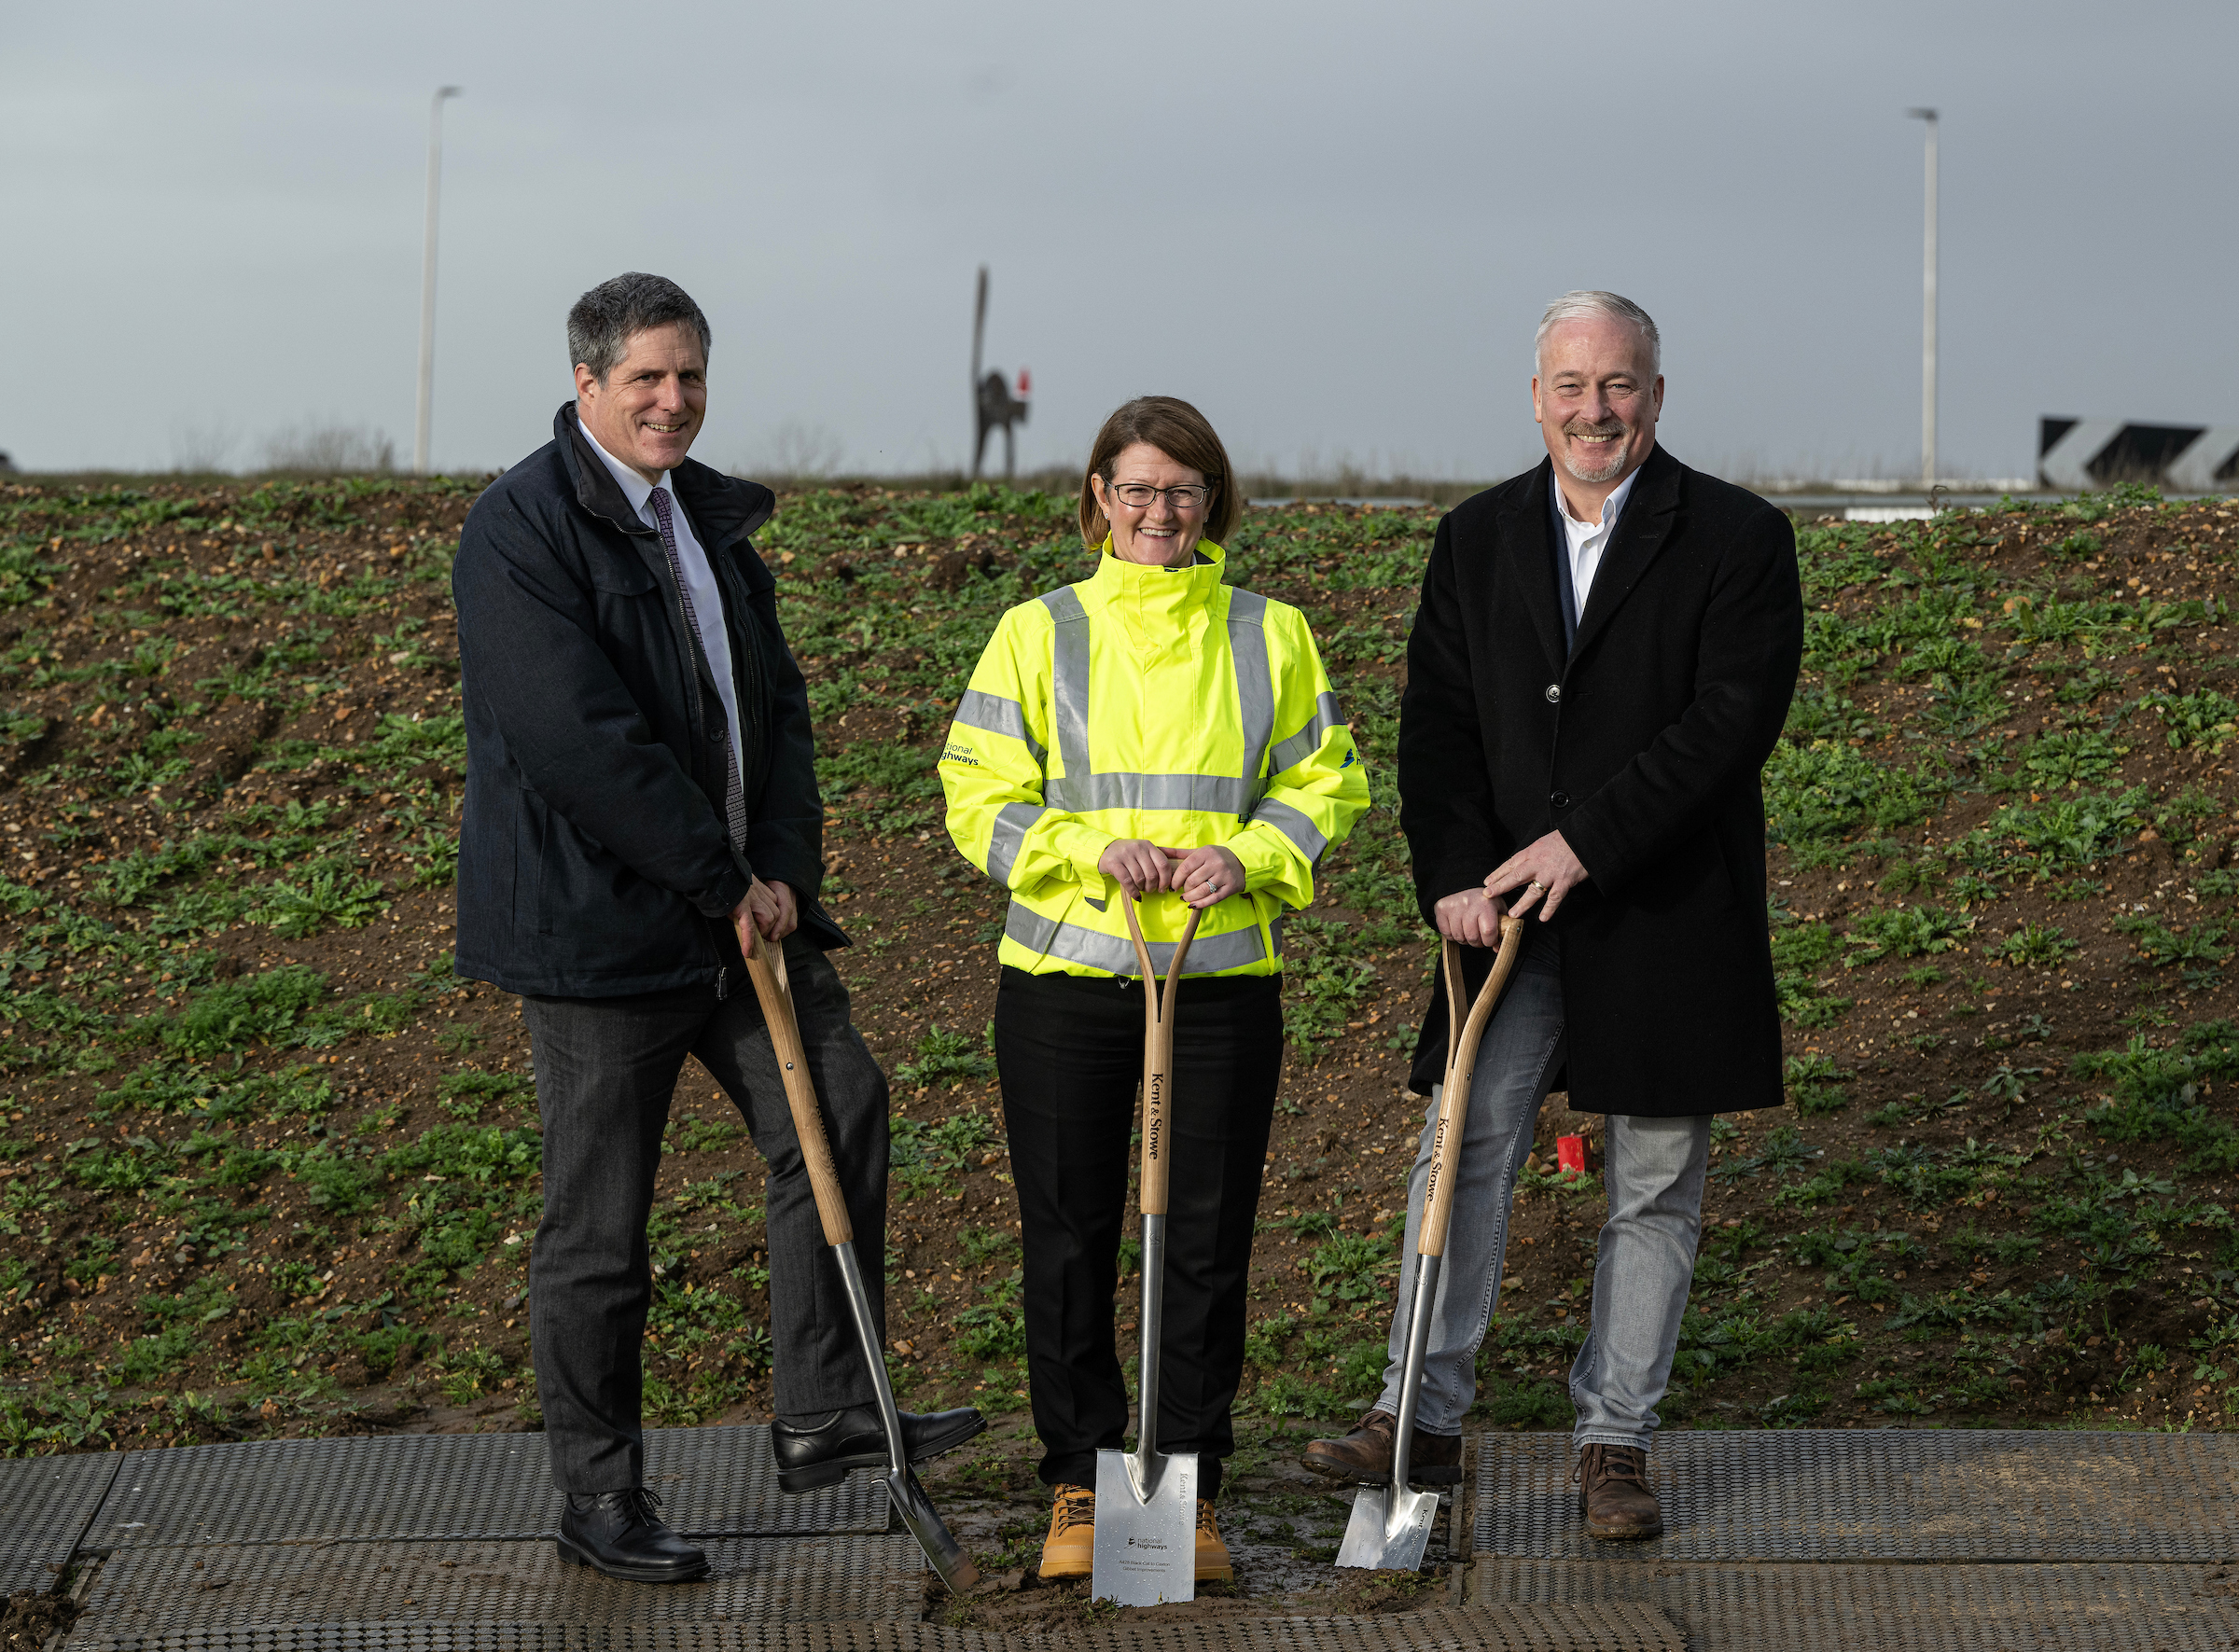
(1600, 473)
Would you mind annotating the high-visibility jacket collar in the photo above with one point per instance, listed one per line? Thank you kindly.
(1161, 607)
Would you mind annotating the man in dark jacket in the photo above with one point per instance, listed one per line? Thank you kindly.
(1601, 664)
(641, 786)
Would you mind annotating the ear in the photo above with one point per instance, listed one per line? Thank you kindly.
(1536, 418)
(587, 382)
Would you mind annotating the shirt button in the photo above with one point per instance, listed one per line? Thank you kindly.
(1559, 800)
(1554, 694)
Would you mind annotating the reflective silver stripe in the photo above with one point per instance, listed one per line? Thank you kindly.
(1208, 954)
(1292, 824)
(1012, 822)
(1307, 740)
(1211, 794)
(1081, 788)
(978, 709)
(1255, 689)
(1069, 677)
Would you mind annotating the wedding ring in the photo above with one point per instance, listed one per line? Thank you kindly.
(1536, 884)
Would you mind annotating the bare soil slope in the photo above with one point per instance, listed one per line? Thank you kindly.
(266, 1166)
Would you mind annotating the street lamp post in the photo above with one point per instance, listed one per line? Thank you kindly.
(1927, 312)
(427, 283)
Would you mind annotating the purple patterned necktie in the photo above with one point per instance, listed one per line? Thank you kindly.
(734, 792)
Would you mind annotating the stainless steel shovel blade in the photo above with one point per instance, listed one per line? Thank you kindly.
(1146, 1551)
(950, 1561)
(916, 1509)
(1390, 1528)
(1146, 1527)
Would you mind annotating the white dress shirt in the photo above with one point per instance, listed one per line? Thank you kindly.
(699, 577)
(1588, 540)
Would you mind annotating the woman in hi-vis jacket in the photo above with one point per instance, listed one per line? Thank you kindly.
(1149, 733)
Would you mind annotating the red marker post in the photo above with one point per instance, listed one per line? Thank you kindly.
(1570, 1156)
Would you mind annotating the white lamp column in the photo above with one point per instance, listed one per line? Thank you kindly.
(1928, 310)
(426, 410)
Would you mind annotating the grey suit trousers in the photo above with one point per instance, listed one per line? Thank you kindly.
(605, 1071)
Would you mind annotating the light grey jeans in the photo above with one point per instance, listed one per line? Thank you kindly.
(1653, 1174)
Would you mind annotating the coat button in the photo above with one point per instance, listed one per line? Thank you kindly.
(1557, 799)
(1554, 694)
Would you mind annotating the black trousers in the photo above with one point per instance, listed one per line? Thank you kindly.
(1070, 1052)
(605, 1071)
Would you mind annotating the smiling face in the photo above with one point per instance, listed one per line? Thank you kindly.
(1597, 401)
(647, 411)
(1156, 532)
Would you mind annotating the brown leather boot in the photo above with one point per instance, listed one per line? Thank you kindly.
(1365, 1455)
(1613, 1492)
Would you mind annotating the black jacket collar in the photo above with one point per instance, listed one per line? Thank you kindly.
(724, 509)
(1650, 511)
(1529, 526)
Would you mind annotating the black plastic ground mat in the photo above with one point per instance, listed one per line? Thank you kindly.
(1903, 1608)
(1887, 1494)
(1617, 1627)
(417, 1486)
(1620, 1626)
(44, 1503)
(402, 1588)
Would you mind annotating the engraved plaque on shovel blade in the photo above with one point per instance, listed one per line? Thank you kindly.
(1146, 1552)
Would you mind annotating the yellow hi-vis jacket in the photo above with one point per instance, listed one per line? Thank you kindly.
(1159, 704)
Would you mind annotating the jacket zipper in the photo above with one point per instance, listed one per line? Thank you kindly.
(689, 654)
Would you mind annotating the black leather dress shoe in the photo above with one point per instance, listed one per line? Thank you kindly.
(619, 1534)
(855, 1438)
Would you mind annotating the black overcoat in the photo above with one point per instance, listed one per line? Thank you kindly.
(1642, 744)
(593, 857)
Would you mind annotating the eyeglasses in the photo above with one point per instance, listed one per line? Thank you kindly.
(1142, 495)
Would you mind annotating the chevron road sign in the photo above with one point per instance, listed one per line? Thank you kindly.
(2082, 454)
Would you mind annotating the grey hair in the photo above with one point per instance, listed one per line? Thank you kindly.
(604, 319)
(1590, 301)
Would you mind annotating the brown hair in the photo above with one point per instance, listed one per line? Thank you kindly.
(1181, 433)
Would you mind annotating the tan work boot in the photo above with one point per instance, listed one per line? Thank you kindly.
(1613, 1492)
(1364, 1456)
(1211, 1553)
(1070, 1549)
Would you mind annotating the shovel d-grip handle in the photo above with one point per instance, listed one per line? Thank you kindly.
(766, 968)
(1462, 1035)
(1158, 1057)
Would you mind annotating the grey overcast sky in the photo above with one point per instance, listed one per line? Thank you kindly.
(1332, 226)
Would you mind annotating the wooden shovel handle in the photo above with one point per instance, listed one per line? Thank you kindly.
(1461, 1040)
(1158, 1059)
(766, 968)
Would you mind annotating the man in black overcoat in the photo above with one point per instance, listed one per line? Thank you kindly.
(1601, 664)
(641, 786)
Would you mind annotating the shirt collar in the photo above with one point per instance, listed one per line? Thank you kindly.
(1612, 508)
(634, 487)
